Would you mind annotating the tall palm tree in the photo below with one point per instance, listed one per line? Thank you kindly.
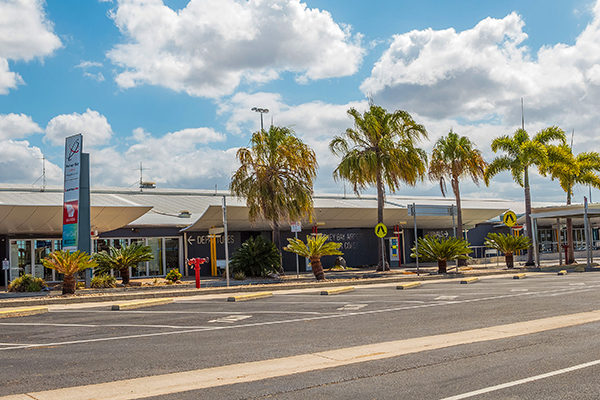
(522, 153)
(121, 259)
(276, 177)
(68, 264)
(570, 170)
(315, 248)
(380, 151)
(455, 157)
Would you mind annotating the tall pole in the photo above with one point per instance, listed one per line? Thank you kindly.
(297, 260)
(261, 111)
(226, 239)
(414, 210)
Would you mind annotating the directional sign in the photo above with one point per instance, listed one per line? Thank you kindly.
(509, 218)
(380, 230)
(296, 226)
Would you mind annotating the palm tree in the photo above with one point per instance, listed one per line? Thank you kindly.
(68, 264)
(522, 153)
(380, 151)
(276, 177)
(508, 244)
(455, 157)
(570, 170)
(441, 250)
(314, 249)
(121, 259)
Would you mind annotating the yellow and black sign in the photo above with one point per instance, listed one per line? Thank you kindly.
(380, 230)
(509, 219)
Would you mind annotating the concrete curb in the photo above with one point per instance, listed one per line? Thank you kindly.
(469, 280)
(154, 294)
(520, 276)
(337, 291)
(141, 304)
(408, 285)
(252, 296)
(23, 312)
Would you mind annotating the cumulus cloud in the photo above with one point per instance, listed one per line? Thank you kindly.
(20, 162)
(95, 128)
(25, 34)
(17, 126)
(211, 46)
(85, 65)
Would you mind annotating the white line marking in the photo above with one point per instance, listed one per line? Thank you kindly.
(344, 315)
(352, 307)
(445, 298)
(522, 381)
(231, 319)
(183, 312)
(104, 325)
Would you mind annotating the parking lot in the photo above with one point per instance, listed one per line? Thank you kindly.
(79, 345)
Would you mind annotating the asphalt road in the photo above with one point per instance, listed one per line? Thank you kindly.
(80, 345)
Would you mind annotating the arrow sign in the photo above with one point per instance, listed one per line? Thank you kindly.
(380, 230)
(509, 219)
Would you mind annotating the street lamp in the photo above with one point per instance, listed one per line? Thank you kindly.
(261, 111)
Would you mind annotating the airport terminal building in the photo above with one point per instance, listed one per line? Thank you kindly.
(181, 224)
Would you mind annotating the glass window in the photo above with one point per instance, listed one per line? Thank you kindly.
(20, 258)
(140, 269)
(156, 267)
(172, 253)
(43, 248)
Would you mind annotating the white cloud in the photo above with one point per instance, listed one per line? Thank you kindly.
(95, 128)
(211, 46)
(16, 126)
(20, 162)
(25, 34)
(85, 65)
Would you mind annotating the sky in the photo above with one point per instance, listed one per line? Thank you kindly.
(170, 84)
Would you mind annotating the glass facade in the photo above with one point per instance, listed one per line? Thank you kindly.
(156, 266)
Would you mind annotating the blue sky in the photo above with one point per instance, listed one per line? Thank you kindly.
(171, 83)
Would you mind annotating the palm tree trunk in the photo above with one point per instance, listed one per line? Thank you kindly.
(509, 260)
(442, 266)
(69, 284)
(317, 267)
(277, 241)
(381, 264)
(459, 224)
(125, 275)
(530, 232)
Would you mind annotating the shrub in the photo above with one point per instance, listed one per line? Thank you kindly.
(256, 258)
(27, 283)
(239, 276)
(104, 281)
(173, 276)
(442, 250)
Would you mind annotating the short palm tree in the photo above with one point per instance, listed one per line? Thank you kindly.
(315, 248)
(522, 153)
(69, 264)
(380, 151)
(121, 259)
(570, 170)
(453, 158)
(255, 258)
(508, 244)
(442, 250)
(276, 177)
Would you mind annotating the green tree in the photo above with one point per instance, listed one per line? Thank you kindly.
(255, 258)
(522, 153)
(121, 259)
(315, 248)
(571, 170)
(69, 264)
(441, 250)
(508, 244)
(453, 158)
(380, 151)
(276, 177)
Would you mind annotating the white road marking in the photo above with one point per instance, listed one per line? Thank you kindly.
(178, 382)
(519, 290)
(183, 312)
(577, 284)
(344, 315)
(103, 325)
(445, 298)
(522, 381)
(231, 318)
(352, 307)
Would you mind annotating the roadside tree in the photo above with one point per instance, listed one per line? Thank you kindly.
(442, 250)
(507, 244)
(314, 248)
(121, 259)
(69, 264)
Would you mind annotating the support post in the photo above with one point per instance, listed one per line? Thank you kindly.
(226, 238)
(414, 210)
(536, 249)
(558, 241)
(84, 233)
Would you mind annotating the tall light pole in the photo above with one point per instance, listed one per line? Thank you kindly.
(261, 111)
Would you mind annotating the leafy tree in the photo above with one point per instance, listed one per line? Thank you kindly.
(256, 257)
(380, 151)
(121, 259)
(453, 158)
(441, 250)
(315, 248)
(570, 170)
(508, 244)
(69, 264)
(522, 153)
(276, 177)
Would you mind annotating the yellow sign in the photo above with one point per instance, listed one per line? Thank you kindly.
(509, 218)
(381, 230)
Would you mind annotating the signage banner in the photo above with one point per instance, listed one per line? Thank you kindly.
(73, 150)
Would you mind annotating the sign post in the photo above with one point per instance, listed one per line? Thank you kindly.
(5, 267)
(381, 231)
(296, 227)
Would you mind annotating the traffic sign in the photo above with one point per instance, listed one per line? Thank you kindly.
(296, 226)
(509, 219)
(5, 265)
(380, 230)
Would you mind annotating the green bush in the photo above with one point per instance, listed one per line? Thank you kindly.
(27, 283)
(239, 276)
(173, 275)
(256, 258)
(104, 281)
